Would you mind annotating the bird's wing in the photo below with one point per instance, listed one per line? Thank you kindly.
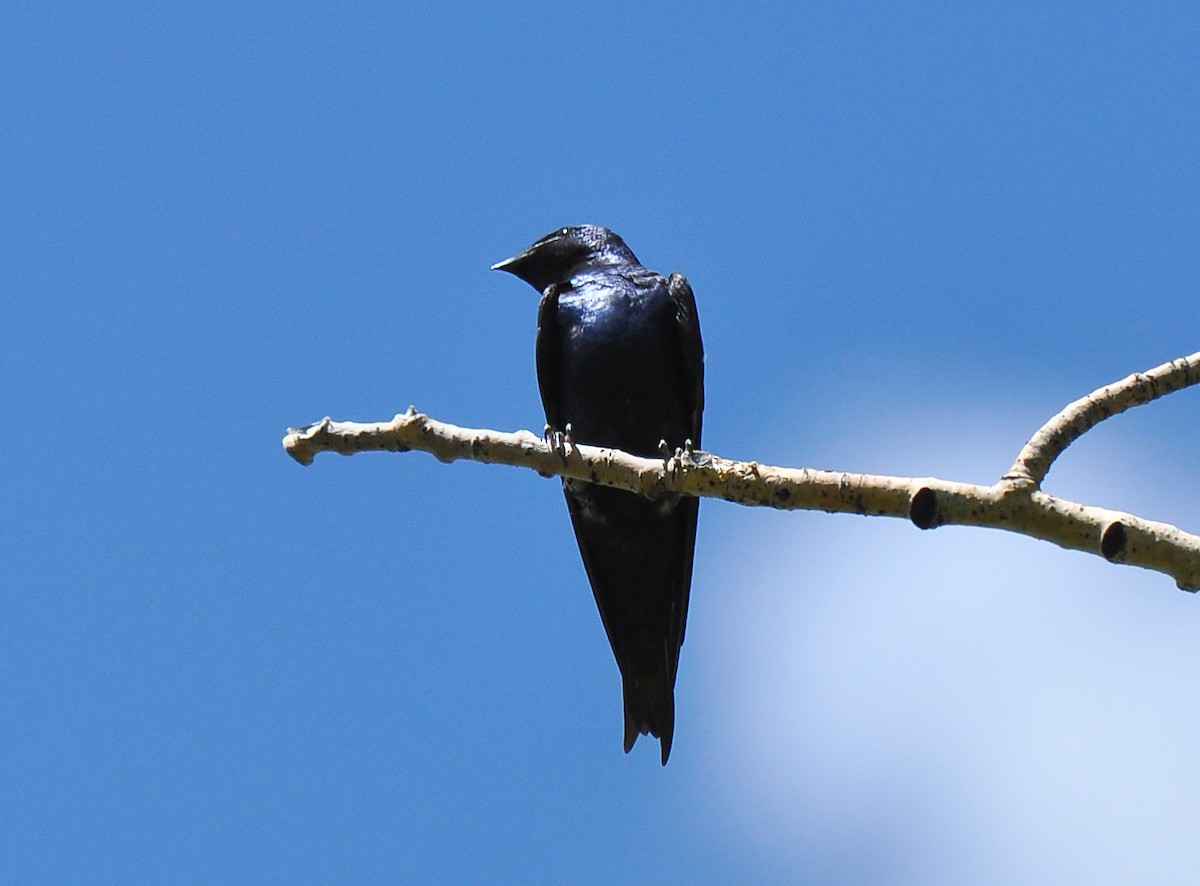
(549, 355)
(691, 353)
(691, 349)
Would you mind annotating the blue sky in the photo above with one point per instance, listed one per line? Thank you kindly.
(914, 233)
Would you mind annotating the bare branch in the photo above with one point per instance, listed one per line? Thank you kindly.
(1010, 504)
(1056, 435)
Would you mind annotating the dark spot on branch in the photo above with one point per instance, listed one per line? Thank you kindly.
(1113, 541)
(923, 509)
(783, 495)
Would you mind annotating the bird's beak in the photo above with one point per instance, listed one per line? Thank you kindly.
(513, 265)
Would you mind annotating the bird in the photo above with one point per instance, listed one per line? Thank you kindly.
(620, 364)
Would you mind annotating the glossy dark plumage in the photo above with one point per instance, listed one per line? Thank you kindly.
(620, 359)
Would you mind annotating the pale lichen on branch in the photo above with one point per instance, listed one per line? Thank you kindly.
(1015, 503)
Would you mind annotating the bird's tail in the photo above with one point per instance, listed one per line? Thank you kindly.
(649, 708)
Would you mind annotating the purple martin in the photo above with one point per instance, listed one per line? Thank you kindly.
(620, 364)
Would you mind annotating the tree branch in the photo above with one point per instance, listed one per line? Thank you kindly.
(1015, 503)
(1077, 419)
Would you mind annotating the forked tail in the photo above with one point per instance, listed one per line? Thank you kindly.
(649, 708)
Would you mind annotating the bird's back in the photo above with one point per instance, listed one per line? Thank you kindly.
(619, 378)
(620, 383)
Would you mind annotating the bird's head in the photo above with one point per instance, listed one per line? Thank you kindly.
(559, 255)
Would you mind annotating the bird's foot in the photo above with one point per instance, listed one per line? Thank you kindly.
(696, 458)
(559, 442)
(673, 460)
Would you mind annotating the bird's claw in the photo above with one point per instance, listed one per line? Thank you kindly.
(559, 442)
(673, 460)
